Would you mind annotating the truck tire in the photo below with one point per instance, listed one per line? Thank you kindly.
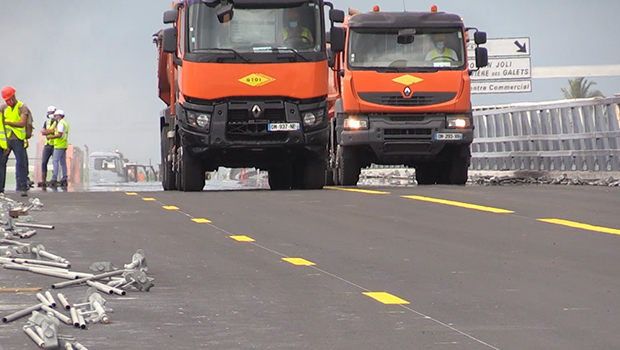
(280, 177)
(192, 175)
(168, 181)
(329, 177)
(459, 166)
(314, 174)
(427, 174)
(348, 166)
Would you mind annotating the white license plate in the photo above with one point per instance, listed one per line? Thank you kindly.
(283, 126)
(448, 136)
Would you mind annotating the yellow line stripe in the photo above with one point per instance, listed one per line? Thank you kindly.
(386, 298)
(131, 193)
(358, 190)
(611, 231)
(148, 199)
(201, 220)
(299, 261)
(460, 204)
(242, 238)
(170, 207)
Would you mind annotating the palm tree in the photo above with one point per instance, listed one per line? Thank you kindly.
(580, 88)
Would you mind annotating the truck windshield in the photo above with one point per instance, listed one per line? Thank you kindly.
(256, 30)
(431, 49)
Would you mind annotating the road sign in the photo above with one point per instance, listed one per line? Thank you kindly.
(508, 68)
(501, 87)
(498, 47)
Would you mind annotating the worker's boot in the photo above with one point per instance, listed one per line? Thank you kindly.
(44, 182)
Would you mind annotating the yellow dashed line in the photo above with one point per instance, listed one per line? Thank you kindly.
(170, 207)
(131, 193)
(611, 231)
(148, 199)
(242, 238)
(358, 190)
(299, 261)
(460, 204)
(386, 298)
(201, 220)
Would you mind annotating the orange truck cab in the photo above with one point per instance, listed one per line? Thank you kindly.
(403, 95)
(245, 83)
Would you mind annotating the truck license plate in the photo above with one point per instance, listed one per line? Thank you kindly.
(448, 136)
(283, 126)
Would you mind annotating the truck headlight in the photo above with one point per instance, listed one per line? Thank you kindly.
(198, 120)
(203, 120)
(356, 123)
(314, 118)
(459, 121)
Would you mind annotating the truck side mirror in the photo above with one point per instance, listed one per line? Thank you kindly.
(480, 38)
(337, 38)
(331, 58)
(225, 12)
(171, 16)
(482, 57)
(336, 16)
(169, 40)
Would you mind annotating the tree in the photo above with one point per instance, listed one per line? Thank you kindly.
(580, 88)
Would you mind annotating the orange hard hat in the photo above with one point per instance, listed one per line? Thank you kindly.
(7, 92)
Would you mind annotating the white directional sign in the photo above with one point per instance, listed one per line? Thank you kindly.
(501, 87)
(508, 68)
(503, 47)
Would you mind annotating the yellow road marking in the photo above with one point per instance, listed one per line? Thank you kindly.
(299, 261)
(460, 204)
(359, 190)
(386, 298)
(170, 207)
(242, 238)
(148, 199)
(611, 231)
(201, 220)
(131, 193)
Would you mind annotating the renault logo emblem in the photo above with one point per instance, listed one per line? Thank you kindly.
(407, 91)
(256, 111)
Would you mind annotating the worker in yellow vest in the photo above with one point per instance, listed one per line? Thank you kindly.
(49, 128)
(61, 143)
(294, 35)
(15, 115)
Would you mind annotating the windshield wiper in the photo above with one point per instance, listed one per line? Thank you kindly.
(237, 54)
(288, 49)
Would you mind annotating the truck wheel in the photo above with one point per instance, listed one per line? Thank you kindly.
(191, 173)
(314, 174)
(329, 177)
(348, 166)
(459, 166)
(280, 177)
(426, 174)
(168, 181)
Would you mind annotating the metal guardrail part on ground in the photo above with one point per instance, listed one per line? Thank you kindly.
(569, 135)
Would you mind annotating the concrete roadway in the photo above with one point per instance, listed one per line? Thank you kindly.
(366, 270)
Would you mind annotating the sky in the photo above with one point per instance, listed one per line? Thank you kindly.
(95, 59)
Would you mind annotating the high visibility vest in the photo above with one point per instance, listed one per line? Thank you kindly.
(3, 143)
(447, 53)
(49, 125)
(63, 141)
(305, 34)
(11, 114)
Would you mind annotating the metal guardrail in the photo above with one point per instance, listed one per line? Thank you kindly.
(570, 135)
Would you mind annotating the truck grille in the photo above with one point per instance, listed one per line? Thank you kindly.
(418, 98)
(243, 126)
(417, 133)
(407, 148)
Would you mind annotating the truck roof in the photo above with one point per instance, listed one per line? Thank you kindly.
(268, 3)
(404, 20)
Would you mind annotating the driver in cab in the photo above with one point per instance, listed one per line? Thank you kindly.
(294, 34)
(441, 53)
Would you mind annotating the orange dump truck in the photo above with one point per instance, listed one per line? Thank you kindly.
(403, 94)
(245, 83)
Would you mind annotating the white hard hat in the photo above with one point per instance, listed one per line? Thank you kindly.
(51, 109)
(59, 112)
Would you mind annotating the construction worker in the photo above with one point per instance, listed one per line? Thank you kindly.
(294, 34)
(49, 128)
(60, 138)
(441, 53)
(15, 115)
